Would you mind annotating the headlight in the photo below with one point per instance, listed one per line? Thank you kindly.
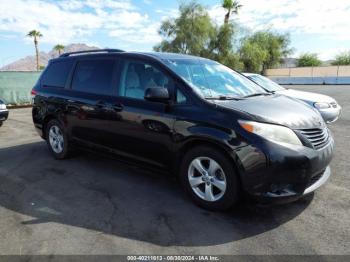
(274, 133)
(2, 106)
(322, 105)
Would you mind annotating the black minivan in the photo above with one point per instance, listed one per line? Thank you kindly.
(219, 132)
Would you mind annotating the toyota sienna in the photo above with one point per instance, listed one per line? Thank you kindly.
(219, 132)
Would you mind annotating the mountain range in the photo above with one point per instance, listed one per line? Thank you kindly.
(29, 63)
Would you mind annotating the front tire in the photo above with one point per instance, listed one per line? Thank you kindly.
(57, 140)
(208, 177)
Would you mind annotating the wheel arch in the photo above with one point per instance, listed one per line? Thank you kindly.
(46, 120)
(200, 141)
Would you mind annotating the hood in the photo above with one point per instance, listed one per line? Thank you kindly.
(277, 109)
(307, 96)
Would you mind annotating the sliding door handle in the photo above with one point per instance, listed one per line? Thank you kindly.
(118, 107)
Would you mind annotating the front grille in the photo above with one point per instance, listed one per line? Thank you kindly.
(317, 137)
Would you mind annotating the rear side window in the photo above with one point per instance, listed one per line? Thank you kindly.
(56, 74)
(94, 76)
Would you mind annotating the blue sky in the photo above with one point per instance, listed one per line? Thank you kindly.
(314, 25)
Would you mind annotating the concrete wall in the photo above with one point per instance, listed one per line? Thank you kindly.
(311, 75)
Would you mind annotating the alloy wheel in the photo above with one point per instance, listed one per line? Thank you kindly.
(207, 179)
(56, 139)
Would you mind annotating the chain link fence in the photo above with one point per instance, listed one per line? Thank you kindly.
(15, 87)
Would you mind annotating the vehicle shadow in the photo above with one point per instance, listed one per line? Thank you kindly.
(93, 192)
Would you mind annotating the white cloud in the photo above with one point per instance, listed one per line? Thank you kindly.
(127, 19)
(167, 13)
(327, 54)
(71, 4)
(311, 16)
(7, 36)
(74, 20)
(145, 35)
(99, 4)
(317, 19)
(68, 21)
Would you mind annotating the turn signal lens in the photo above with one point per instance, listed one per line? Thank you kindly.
(247, 127)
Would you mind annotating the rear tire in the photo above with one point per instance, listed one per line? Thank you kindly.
(1, 123)
(57, 140)
(209, 178)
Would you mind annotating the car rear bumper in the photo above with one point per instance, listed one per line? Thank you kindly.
(4, 115)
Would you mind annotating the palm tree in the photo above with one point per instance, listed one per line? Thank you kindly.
(59, 48)
(35, 34)
(232, 7)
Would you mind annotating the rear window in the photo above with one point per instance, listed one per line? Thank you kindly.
(94, 76)
(56, 74)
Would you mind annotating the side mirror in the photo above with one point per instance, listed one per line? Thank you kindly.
(157, 94)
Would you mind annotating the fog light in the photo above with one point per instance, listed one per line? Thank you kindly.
(281, 190)
(322, 105)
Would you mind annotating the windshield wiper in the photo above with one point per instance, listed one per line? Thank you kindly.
(257, 94)
(222, 98)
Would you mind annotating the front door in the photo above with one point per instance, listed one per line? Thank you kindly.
(144, 129)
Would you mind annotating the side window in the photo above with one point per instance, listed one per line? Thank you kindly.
(94, 76)
(56, 74)
(137, 76)
(180, 97)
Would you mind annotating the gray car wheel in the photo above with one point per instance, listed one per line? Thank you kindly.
(208, 176)
(57, 139)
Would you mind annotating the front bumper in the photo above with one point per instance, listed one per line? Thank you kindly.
(4, 115)
(276, 174)
(285, 195)
(318, 182)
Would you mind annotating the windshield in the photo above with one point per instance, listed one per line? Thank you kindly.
(213, 80)
(266, 83)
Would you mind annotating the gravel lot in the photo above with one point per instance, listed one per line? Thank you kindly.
(95, 205)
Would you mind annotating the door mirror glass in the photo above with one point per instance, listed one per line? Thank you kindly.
(157, 94)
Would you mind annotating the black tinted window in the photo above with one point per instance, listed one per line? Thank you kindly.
(56, 74)
(94, 76)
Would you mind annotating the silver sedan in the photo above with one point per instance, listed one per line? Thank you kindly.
(326, 105)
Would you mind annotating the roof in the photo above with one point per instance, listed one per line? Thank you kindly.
(157, 55)
(170, 56)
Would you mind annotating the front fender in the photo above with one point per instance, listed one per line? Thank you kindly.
(189, 135)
